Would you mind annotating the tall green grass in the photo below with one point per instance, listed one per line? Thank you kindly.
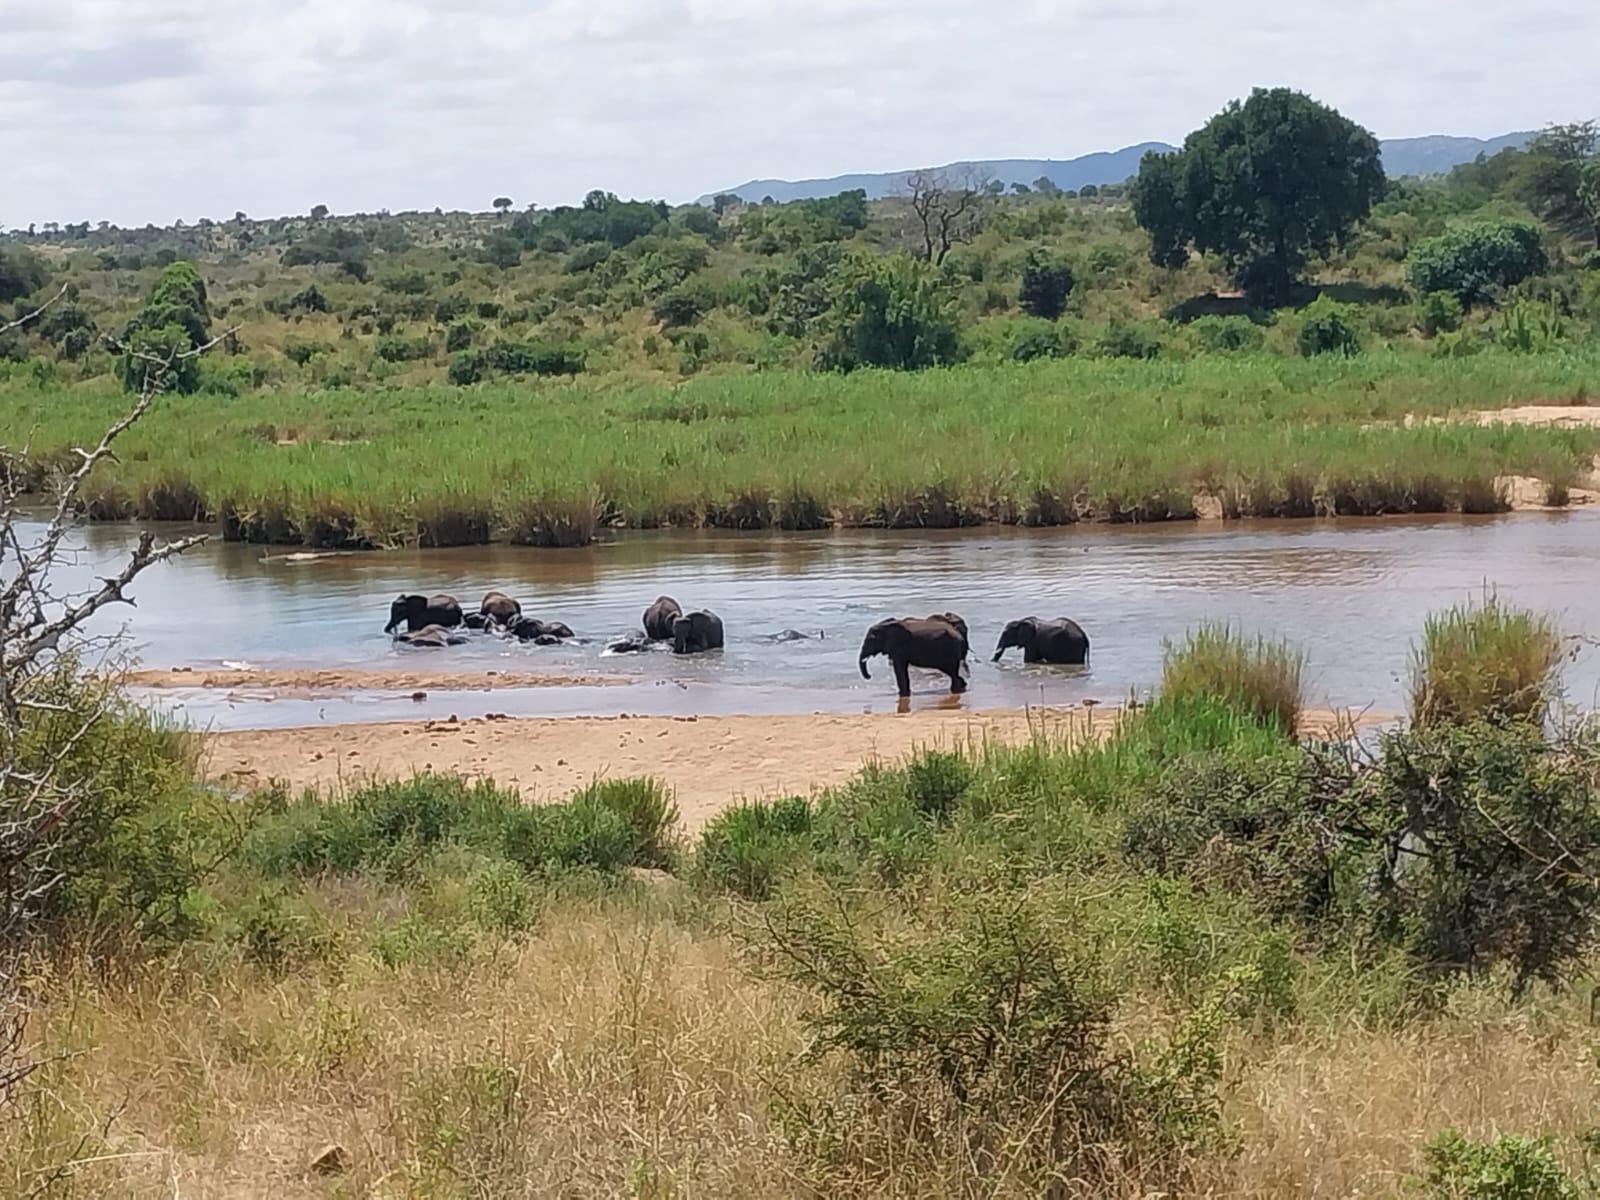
(1485, 660)
(1043, 443)
(1258, 679)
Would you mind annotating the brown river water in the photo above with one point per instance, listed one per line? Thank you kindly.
(1352, 593)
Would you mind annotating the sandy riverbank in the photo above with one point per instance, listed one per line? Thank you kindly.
(711, 762)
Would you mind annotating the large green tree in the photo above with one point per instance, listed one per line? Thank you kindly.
(1264, 184)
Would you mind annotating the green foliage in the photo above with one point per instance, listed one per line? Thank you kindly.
(682, 306)
(1485, 661)
(1491, 852)
(647, 808)
(333, 244)
(1128, 339)
(936, 780)
(1439, 312)
(784, 227)
(533, 358)
(397, 348)
(1046, 284)
(501, 249)
(1326, 327)
(746, 849)
(1529, 328)
(301, 352)
(603, 218)
(1227, 334)
(457, 337)
(405, 282)
(21, 273)
(501, 899)
(1475, 262)
(465, 369)
(1259, 679)
(1040, 339)
(172, 322)
(1264, 184)
(1505, 1168)
(892, 312)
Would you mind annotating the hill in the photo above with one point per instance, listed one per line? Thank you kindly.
(1431, 155)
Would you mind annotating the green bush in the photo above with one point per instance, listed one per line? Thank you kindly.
(465, 368)
(1259, 679)
(501, 899)
(936, 781)
(746, 849)
(647, 808)
(413, 939)
(1485, 661)
(1226, 334)
(891, 312)
(397, 348)
(1439, 312)
(1039, 340)
(1123, 339)
(537, 358)
(1506, 1168)
(1327, 327)
(278, 930)
(458, 337)
(1474, 262)
(405, 282)
(1046, 285)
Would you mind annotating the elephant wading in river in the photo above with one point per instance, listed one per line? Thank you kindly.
(430, 636)
(938, 643)
(531, 629)
(418, 612)
(498, 611)
(658, 619)
(696, 631)
(1046, 641)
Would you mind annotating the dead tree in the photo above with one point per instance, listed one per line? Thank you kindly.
(947, 208)
(40, 619)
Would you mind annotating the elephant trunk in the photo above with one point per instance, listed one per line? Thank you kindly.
(865, 674)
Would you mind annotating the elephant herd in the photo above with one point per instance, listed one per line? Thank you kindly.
(938, 642)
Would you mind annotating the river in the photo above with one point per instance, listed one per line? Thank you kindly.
(1352, 593)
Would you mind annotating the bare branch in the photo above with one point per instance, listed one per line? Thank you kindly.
(36, 313)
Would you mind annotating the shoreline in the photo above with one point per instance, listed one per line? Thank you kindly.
(305, 682)
(709, 762)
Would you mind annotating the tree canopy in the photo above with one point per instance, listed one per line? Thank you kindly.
(1264, 184)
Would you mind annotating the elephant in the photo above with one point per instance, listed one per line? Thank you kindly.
(697, 631)
(418, 612)
(1058, 640)
(938, 642)
(431, 637)
(531, 629)
(499, 609)
(794, 635)
(632, 644)
(658, 619)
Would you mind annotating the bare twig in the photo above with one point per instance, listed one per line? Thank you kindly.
(19, 322)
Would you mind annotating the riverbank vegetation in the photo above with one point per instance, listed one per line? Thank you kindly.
(1199, 955)
(950, 356)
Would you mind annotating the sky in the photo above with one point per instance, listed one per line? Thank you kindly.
(139, 111)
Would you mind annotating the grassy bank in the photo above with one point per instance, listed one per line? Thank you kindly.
(1042, 443)
(1189, 960)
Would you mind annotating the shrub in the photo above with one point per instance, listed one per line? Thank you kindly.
(1474, 262)
(500, 898)
(681, 306)
(1046, 284)
(748, 848)
(1507, 1168)
(449, 308)
(1128, 340)
(1326, 327)
(1439, 312)
(1490, 851)
(587, 257)
(1259, 679)
(1226, 334)
(398, 348)
(647, 808)
(277, 930)
(457, 337)
(1484, 661)
(1050, 341)
(300, 353)
(936, 781)
(888, 312)
(538, 358)
(466, 369)
(410, 282)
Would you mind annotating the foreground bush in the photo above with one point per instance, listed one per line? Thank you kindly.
(1256, 677)
(1484, 661)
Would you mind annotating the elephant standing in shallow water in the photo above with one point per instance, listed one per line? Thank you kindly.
(938, 643)
(433, 637)
(419, 612)
(658, 619)
(696, 631)
(1059, 640)
(532, 629)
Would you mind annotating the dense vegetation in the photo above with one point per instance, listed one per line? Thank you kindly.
(1091, 968)
(371, 340)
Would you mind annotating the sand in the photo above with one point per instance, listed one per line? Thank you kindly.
(710, 762)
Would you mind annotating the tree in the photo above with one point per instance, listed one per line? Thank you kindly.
(946, 209)
(723, 201)
(319, 212)
(1046, 186)
(1558, 179)
(170, 329)
(1046, 284)
(1474, 262)
(1264, 184)
(21, 274)
(889, 312)
(502, 250)
(502, 204)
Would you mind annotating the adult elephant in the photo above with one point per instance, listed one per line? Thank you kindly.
(938, 643)
(696, 631)
(418, 612)
(658, 619)
(499, 609)
(433, 637)
(1057, 640)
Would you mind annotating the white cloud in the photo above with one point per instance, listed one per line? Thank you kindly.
(136, 110)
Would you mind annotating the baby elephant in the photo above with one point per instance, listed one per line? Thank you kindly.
(938, 642)
(531, 629)
(418, 612)
(658, 619)
(1046, 641)
(696, 631)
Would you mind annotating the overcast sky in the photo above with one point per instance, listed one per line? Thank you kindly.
(150, 110)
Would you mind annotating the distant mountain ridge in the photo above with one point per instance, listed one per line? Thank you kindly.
(1431, 155)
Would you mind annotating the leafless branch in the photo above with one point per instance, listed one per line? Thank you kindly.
(19, 322)
(947, 208)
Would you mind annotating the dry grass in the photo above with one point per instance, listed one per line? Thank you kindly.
(619, 1050)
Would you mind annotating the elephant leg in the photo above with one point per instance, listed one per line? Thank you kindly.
(957, 684)
(902, 676)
